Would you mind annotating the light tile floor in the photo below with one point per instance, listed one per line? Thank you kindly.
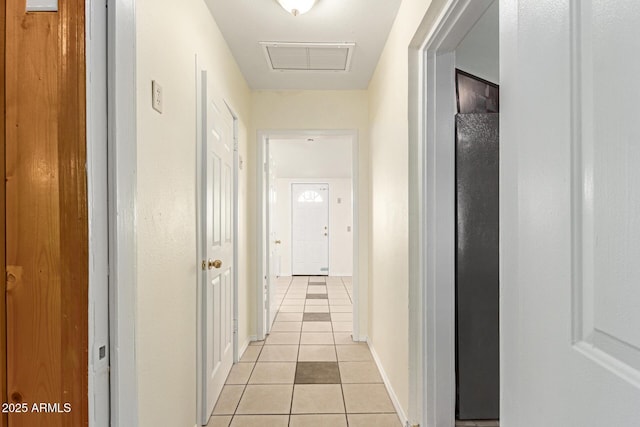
(308, 372)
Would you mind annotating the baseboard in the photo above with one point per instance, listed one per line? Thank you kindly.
(394, 399)
(244, 346)
(363, 338)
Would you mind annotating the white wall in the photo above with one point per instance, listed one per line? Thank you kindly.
(321, 110)
(340, 217)
(479, 51)
(389, 283)
(169, 35)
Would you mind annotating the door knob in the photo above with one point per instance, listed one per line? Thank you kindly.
(278, 242)
(214, 264)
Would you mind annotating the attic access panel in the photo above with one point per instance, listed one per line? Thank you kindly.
(335, 57)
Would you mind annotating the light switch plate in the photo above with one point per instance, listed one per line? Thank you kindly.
(42, 5)
(156, 97)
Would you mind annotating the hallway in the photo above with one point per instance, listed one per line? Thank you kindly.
(308, 372)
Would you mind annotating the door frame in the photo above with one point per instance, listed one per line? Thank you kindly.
(432, 111)
(200, 255)
(328, 219)
(262, 269)
(122, 183)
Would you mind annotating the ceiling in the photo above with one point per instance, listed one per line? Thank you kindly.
(325, 157)
(246, 23)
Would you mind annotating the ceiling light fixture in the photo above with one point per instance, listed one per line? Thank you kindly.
(297, 7)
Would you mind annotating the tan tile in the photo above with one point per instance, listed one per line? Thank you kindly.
(326, 420)
(354, 353)
(341, 326)
(278, 338)
(219, 421)
(289, 317)
(313, 289)
(259, 343)
(291, 309)
(273, 373)
(316, 338)
(343, 338)
(342, 317)
(339, 300)
(240, 373)
(374, 420)
(286, 327)
(228, 400)
(359, 372)
(341, 308)
(317, 399)
(318, 302)
(266, 399)
(279, 353)
(251, 353)
(488, 423)
(366, 398)
(316, 327)
(260, 421)
(317, 353)
(316, 309)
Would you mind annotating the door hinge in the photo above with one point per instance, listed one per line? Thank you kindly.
(235, 326)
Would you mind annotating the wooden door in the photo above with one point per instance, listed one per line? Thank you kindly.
(217, 216)
(310, 229)
(46, 216)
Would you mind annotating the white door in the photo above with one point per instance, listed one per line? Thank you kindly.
(310, 229)
(570, 213)
(218, 268)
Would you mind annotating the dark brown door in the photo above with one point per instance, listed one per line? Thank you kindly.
(45, 208)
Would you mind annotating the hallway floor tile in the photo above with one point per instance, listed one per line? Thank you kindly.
(308, 372)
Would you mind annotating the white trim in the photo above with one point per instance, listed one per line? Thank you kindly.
(432, 210)
(122, 211)
(387, 384)
(262, 136)
(98, 210)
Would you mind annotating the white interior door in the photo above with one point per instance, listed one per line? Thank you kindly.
(570, 213)
(310, 229)
(218, 268)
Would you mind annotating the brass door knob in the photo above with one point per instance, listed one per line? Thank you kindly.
(214, 264)
(278, 242)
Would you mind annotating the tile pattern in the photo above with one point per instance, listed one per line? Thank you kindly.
(477, 423)
(308, 372)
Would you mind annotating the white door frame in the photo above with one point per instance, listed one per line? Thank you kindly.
(200, 375)
(262, 270)
(122, 155)
(432, 111)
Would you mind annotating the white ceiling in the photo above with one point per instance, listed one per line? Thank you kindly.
(246, 23)
(325, 157)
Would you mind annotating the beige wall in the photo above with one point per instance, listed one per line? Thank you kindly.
(320, 110)
(169, 35)
(389, 282)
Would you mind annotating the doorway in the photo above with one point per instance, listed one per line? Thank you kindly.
(438, 48)
(217, 166)
(308, 221)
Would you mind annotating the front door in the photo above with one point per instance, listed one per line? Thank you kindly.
(310, 229)
(570, 213)
(218, 268)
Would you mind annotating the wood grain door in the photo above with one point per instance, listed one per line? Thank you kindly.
(45, 229)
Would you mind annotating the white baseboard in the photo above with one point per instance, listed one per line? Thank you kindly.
(392, 394)
(244, 346)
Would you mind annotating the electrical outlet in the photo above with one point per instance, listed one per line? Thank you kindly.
(156, 97)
